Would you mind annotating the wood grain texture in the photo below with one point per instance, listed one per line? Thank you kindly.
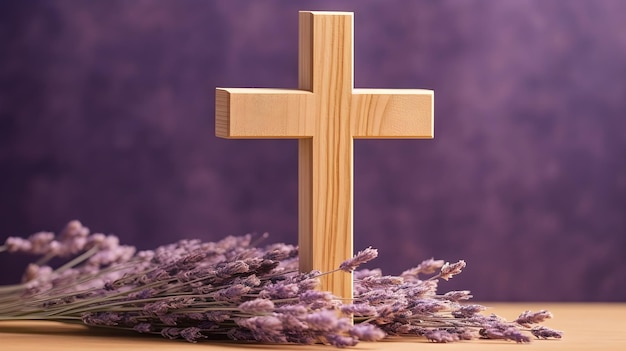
(326, 113)
(587, 326)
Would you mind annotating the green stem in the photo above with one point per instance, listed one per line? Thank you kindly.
(43, 260)
(84, 256)
(34, 317)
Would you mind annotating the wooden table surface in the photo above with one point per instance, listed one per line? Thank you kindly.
(587, 326)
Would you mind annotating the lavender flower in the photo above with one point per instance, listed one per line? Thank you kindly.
(232, 268)
(427, 306)
(192, 334)
(42, 243)
(367, 332)
(448, 270)
(192, 290)
(360, 258)
(292, 323)
(170, 333)
(527, 318)
(294, 310)
(429, 266)
(217, 316)
(280, 252)
(314, 296)
(361, 309)
(233, 293)
(507, 333)
(468, 311)
(325, 321)
(17, 244)
(143, 328)
(102, 318)
(262, 324)
(364, 273)
(457, 295)
(35, 272)
(441, 336)
(257, 306)
(280, 291)
(376, 282)
(546, 333)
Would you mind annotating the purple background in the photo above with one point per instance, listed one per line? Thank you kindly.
(107, 116)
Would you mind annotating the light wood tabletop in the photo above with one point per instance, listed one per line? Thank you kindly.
(586, 326)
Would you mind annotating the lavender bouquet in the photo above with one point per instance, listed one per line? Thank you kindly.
(239, 290)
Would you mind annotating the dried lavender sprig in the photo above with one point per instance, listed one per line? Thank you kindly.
(360, 258)
(449, 270)
(546, 333)
(398, 305)
(428, 266)
(528, 317)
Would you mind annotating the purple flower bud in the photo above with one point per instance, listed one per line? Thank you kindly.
(95, 239)
(262, 324)
(312, 296)
(251, 281)
(143, 327)
(457, 295)
(169, 318)
(192, 334)
(102, 318)
(429, 266)
(156, 308)
(194, 257)
(40, 243)
(340, 340)
(468, 311)
(292, 323)
(358, 310)
(280, 290)
(308, 284)
(217, 316)
(421, 288)
(367, 332)
(362, 273)
(34, 271)
(257, 306)
(73, 229)
(448, 270)
(280, 252)
(440, 336)
(240, 334)
(141, 294)
(294, 310)
(323, 320)
(111, 254)
(527, 318)
(170, 333)
(17, 244)
(375, 282)
(232, 268)
(546, 333)
(504, 333)
(402, 329)
(233, 293)
(360, 258)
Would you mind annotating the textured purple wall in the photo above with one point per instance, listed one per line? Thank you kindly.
(106, 115)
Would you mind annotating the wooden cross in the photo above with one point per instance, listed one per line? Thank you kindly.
(325, 113)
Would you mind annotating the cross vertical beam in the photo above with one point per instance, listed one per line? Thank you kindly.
(326, 113)
(325, 161)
